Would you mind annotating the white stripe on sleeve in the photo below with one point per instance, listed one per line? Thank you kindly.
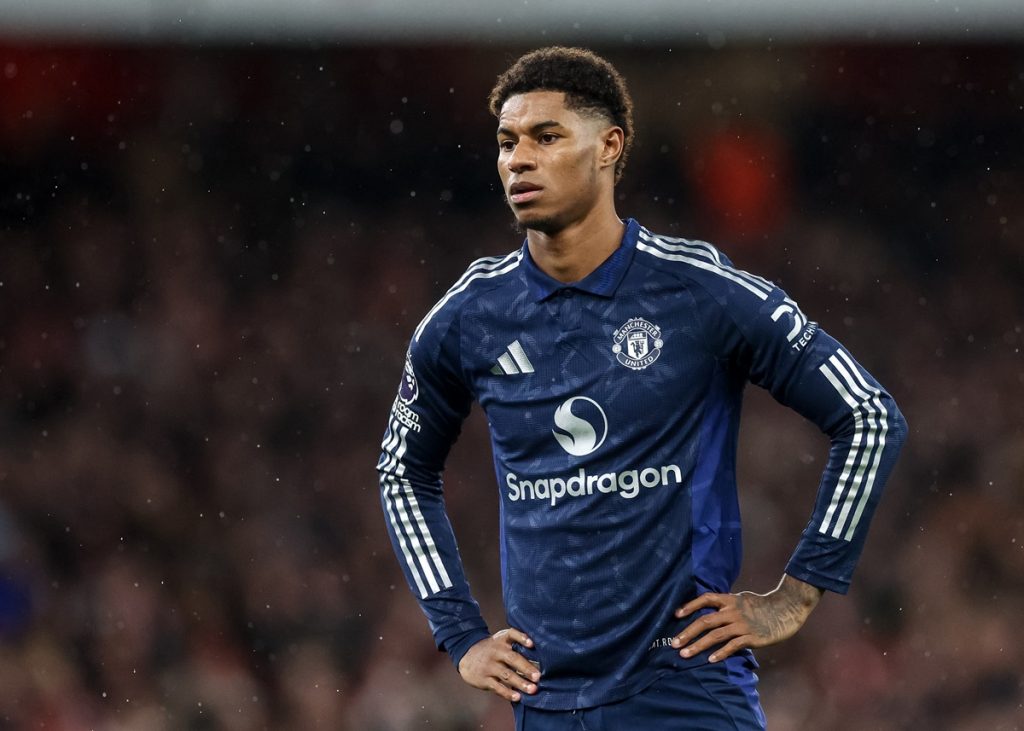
(414, 506)
(388, 484)
(403, 511)
(484, 269)
(882, 421)
(705, 251)
(702, 263)
(852, 456)
(861, 468)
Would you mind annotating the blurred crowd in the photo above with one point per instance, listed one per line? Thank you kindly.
(211, 260)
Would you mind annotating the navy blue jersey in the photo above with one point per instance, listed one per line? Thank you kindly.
(614, 406)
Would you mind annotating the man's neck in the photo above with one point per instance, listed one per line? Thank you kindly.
(577, 250)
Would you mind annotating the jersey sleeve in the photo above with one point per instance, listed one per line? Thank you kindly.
(758, 329)
(425, 420)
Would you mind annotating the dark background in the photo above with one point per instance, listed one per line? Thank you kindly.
(211, 258)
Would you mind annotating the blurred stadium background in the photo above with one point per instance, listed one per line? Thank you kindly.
(220, 222)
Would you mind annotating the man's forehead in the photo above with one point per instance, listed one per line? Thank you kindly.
(533, 106)
(550, 104)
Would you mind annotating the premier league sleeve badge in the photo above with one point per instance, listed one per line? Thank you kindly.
(409, 389)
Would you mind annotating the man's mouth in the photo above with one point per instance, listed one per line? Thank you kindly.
(523, 192)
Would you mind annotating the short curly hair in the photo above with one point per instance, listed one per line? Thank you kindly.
(590, 84)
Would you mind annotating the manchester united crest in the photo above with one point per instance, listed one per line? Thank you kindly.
(637, 344)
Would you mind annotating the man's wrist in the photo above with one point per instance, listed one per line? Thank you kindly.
(459, 645)
(800, 591)
(817, 578)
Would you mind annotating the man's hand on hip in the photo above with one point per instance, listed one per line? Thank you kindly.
(746, 619)
(494, 665)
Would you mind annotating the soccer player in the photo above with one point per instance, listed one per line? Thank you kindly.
(610, 362)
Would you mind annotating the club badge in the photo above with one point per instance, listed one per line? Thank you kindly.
(637, 344)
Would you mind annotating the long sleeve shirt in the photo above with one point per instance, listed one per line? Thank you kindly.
(614, 407)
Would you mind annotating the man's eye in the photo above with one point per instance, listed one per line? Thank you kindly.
(506, 145)
(548, 137)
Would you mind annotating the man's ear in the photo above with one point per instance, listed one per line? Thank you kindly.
(613, 140)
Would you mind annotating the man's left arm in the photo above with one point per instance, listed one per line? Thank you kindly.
(808, 370)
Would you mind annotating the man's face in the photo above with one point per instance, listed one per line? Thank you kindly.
(549, 160)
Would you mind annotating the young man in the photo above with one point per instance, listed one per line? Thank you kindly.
(610, 362)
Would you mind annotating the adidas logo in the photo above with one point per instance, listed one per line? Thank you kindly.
(512, 361)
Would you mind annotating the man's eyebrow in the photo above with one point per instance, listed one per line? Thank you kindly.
(533, 130)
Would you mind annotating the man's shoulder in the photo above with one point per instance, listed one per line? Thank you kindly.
(481, 277)
(697, 262)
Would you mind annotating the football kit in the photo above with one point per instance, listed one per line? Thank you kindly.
(709, 697)
(614, 406)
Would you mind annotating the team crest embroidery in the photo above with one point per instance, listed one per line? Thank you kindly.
(637, 344)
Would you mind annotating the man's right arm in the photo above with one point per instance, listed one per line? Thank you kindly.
(425, 420)
(433, 401)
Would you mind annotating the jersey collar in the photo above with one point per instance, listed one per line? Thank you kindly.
(603, 281)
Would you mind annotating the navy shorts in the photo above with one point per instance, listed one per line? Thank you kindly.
(714, 697)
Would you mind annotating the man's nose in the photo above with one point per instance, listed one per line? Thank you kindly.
(522, 158)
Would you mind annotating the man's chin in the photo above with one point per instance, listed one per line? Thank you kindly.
(524, 222)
